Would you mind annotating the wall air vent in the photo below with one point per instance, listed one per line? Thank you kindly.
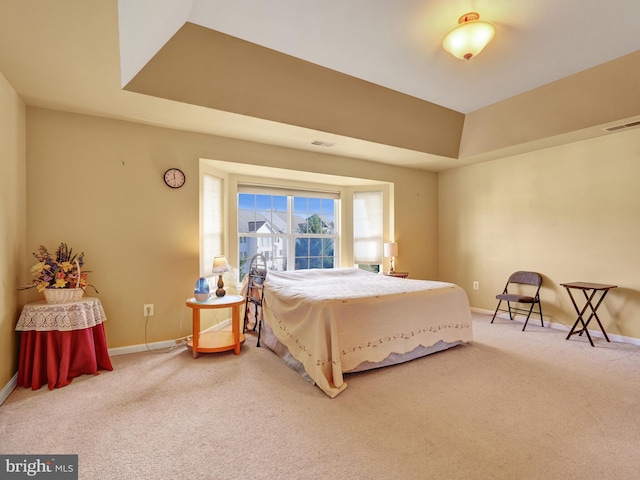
(615, 128)
(319, 143)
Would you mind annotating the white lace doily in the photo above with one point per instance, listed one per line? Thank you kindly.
(43, 316)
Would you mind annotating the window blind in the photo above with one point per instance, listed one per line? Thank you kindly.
(367, 227)
(212, 218)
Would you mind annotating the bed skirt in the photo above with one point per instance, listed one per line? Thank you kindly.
(268, 339)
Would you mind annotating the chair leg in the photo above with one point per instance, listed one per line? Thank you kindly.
(510, 314)
(496, 312)
(540, 310)
(528, 315)
(531, 311)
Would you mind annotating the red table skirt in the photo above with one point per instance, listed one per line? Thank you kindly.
(55, 357)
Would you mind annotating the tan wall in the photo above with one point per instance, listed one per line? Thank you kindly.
(570, 212)
(259, 82)
(12, 224)
(97, 184)
(574, 106)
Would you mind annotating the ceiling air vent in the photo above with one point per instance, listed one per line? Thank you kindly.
(319, 143)
(615, 128)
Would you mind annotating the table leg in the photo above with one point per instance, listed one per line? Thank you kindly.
(235, 327)
(594, 309)
(195, 328)
(580, 319)
(588, 304)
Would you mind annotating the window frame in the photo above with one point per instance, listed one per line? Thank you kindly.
(290, 235)
(234, 174)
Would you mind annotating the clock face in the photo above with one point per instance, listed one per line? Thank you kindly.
(174, 178)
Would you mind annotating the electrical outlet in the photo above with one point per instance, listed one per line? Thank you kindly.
(476, 285)
(148, 309)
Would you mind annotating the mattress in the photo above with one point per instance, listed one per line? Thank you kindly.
(326, 323)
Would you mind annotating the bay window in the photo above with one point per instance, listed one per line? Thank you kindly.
(291, 229)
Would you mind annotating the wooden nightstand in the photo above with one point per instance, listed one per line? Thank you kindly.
(216, 341)
(397, 274)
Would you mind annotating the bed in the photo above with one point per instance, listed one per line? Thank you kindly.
(325, 323)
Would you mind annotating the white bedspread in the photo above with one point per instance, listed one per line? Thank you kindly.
(333, 320)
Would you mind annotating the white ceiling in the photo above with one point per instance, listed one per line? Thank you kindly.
(397, 43)
(75, 55)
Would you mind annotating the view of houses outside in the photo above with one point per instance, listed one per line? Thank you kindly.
(290, 232)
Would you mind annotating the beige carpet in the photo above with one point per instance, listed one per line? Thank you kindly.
(512, 405)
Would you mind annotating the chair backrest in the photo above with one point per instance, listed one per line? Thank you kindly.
(526, 278)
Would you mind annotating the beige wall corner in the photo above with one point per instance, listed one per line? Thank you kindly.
(571, 213)
(13, 213)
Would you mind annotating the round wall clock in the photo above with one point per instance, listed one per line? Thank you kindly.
(174, 178)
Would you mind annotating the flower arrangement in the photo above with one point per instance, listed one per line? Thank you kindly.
(62, 270)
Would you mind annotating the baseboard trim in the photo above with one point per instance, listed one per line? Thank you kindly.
(8, 388)
(561, 326)
(145, 347)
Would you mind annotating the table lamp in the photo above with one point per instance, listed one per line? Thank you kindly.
(220, 266)
(390, 251)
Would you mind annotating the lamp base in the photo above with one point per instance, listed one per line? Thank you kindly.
(220, 291)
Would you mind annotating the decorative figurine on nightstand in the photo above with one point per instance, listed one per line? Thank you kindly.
(201, 290)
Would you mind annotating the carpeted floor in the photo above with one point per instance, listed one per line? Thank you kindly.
(511, 405)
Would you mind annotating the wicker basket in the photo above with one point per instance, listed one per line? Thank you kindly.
(63, 295)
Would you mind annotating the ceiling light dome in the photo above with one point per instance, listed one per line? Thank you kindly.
(469, 37)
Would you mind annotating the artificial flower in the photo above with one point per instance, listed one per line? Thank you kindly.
(62, 270)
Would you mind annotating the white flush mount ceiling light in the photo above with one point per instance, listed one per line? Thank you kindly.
(469, 37)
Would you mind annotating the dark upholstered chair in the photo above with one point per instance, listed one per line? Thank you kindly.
(523, 290)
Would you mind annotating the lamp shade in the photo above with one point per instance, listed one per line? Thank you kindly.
(220, 265)
(470, 36)
(391, 249)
